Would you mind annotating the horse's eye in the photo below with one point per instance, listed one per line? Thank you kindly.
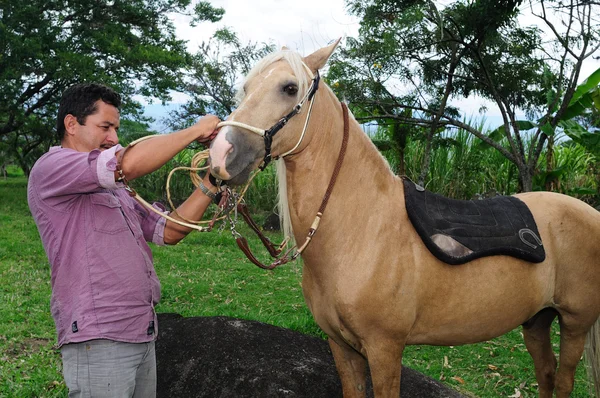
(290, 89)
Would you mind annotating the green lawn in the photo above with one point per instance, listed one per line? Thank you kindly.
(206, 275)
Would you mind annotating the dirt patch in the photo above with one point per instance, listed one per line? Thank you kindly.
(25, 347)
(227, 357)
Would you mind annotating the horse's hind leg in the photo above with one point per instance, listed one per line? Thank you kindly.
(572, 343)
(536, 332)
(351, 367)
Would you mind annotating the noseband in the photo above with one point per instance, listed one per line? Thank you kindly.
(270, 133)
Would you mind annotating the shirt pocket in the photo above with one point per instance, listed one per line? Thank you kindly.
(107, 215)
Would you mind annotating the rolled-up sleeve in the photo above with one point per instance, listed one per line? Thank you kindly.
(62, 174)
(106, 165)
(158, 238)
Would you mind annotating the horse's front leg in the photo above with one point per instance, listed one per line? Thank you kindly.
(351, 367)
(385, 364)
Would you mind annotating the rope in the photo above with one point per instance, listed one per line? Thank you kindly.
(198, 157)
(255, 130)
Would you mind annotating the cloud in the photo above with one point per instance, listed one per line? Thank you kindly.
(304, 25)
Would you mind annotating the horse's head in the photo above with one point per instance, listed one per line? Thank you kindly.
(272, 89)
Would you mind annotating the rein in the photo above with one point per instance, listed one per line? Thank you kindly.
(287, 257)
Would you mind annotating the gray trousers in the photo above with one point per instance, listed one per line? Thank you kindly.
(106, 368)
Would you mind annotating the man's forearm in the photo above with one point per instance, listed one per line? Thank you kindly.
(150, 155)
(192, 209)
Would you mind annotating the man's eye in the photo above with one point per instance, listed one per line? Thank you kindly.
(290, 89)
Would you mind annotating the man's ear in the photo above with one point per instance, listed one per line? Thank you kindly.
(318, 59)
(71, 124)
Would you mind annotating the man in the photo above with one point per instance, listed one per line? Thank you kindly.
(104, 286)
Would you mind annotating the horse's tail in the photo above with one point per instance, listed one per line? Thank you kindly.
(592, 355)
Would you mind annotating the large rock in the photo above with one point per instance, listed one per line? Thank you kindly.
(227, 357)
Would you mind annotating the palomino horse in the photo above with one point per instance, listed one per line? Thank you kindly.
(369, 280)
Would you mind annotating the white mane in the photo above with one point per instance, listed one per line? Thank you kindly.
(283, 207)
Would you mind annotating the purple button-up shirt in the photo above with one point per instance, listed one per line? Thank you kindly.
(103, 282)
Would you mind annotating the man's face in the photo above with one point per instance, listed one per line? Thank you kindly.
(99, 131)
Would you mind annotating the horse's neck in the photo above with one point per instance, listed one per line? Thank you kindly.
(364, 177)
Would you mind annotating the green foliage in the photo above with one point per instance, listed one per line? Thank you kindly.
(204, 11)
(588, 92)
(584, 103)
(50, 45)
(262, 194)
(261, 197)
(131, 130)
(573, 173)
(152, 187)
(214, 72)
(462, 167)
(419, 55)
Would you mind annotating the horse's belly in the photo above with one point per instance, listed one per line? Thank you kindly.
(479, 313)
(460, 333)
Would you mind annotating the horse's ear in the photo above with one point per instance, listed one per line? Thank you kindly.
(284, 48)
(318, 59)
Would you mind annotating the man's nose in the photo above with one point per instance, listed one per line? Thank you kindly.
(113, 138)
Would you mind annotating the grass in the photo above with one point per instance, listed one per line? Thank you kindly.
(206, 275)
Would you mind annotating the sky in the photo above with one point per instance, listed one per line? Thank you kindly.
(302, 25)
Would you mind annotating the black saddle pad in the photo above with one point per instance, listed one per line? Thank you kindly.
(458, 231)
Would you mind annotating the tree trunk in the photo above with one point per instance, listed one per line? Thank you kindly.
(426, 159)
(399, 137)
(525, 179)
(550, 184)
(24, 165)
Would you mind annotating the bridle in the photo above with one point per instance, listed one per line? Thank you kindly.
(295, 251)
(292, 253)
(270, 133)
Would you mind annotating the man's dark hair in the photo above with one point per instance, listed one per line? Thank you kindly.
(80, 101)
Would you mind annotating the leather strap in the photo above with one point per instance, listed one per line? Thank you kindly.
(270, 246)
(285, 258)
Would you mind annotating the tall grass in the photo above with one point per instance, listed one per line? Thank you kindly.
(575, 171)
(152, 187)
(462, 167)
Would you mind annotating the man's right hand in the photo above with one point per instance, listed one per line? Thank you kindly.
(207, 129)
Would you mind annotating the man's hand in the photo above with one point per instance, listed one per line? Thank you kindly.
(206, 128)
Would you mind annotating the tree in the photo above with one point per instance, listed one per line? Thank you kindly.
(215, 70)
(419, 55)
(49, 45)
